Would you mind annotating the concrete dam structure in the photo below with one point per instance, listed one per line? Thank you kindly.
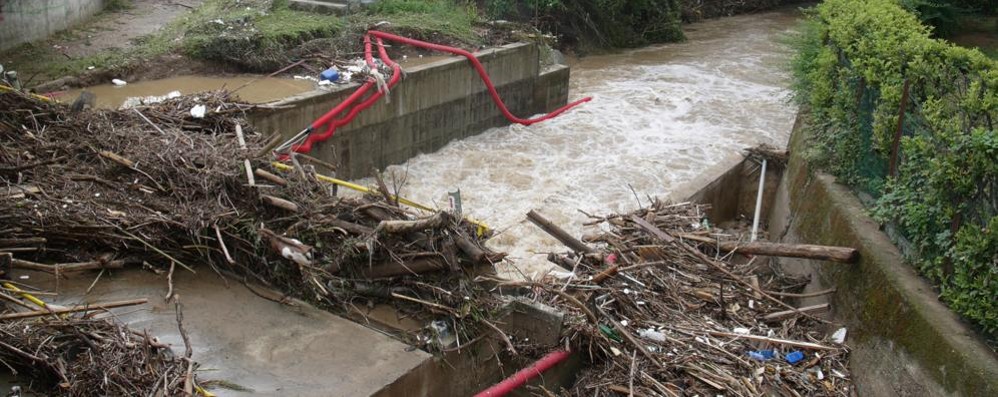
(436, 103)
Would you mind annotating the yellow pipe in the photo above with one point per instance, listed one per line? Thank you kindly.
(5, 88)
(36, 301)
(482, 228)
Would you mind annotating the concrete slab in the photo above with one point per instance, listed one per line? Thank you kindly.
(241, 338)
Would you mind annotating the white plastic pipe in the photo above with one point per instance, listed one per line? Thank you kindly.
(758, 201)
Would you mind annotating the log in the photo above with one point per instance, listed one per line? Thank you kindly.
(472, 250)
(652, 229)
(74, 309)
(349, 226)
(787, 313)
(263, 174)
(765, 248)
(279, 203)
(558, 233)
(402, 227)
(20, 242)
(62, 268)
(392, 269)
(805, 345)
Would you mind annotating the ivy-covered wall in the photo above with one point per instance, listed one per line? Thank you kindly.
(910, 121)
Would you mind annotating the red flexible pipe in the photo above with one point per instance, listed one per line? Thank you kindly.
(306, 146)
(524, 375)
(481, 72)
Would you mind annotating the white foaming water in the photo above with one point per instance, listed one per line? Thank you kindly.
(659, 117)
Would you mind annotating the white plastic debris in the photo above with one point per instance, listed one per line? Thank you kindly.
(134, 101)
(90, 68)
(624, 323)
(118, 82)
(839, 336)
(651, 334)
(198, 111)
(741, 331)
(218, 21)
(616, 351)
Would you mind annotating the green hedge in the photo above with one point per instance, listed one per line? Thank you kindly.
(853, 57)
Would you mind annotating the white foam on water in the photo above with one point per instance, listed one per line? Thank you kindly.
(659, 117)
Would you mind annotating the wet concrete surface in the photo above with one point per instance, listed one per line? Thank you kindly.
(241, 338)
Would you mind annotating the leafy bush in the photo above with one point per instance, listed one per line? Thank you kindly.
(598, 23)
(853, 57)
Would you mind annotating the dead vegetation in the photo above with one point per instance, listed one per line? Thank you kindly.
(657, 311)
(158, 186)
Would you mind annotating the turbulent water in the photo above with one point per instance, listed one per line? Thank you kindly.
(660, 116)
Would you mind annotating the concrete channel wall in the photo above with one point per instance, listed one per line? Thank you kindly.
(436, 103)
(23, 21)
(905, 341)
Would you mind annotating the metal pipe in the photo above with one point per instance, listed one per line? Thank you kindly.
(758, 201)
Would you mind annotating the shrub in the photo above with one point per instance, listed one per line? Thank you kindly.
(852, 60)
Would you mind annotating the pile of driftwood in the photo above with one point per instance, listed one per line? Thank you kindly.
(662, 308)
(161, 186)
(63, 354)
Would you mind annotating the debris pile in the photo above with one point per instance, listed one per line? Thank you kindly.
(82, 357)
(660, 311)
(157, 186)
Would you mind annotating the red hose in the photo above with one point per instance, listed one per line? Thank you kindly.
(524, 375)
(481, 72)
(332, 125)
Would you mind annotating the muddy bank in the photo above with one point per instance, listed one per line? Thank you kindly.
(253, 89)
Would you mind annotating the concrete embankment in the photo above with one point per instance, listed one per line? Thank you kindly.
(435, 104)
(22, 21)
(905, 341)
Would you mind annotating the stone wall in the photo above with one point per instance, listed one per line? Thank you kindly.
(435, 104)
(23, 21)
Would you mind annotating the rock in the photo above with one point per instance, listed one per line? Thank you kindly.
(61, 83)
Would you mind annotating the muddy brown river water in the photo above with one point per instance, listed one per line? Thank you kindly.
(660, 117)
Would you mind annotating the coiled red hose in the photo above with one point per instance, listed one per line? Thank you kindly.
(331, 125)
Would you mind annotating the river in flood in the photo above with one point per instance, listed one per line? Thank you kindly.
(660, 116)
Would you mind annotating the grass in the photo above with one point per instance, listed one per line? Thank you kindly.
(450, 18)
(253, 35)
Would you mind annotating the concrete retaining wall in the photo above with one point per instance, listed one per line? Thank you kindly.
(435, 104)
(22, 21)
(905, 342)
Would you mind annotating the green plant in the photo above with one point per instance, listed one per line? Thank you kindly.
(851, 63)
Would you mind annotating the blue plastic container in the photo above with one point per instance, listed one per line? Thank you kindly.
(794, 357)
(331, 74)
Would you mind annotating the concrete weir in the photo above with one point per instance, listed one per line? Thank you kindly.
(436, 103)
